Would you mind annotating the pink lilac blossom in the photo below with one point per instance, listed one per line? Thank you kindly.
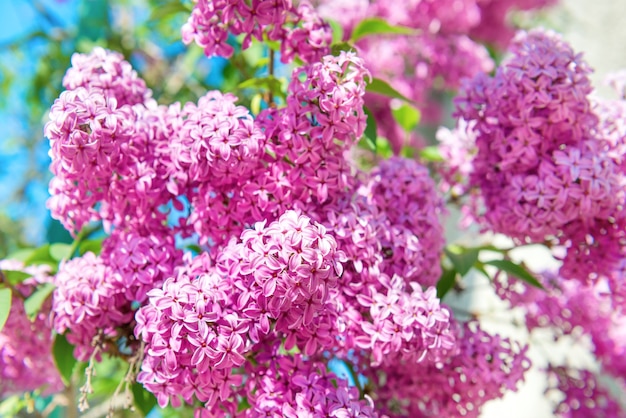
(437, 57)
(479, 368)
(201, 323)
(584, 395)
(294, 24)
(108, 73)
(293, 386)
(86, 303)
(405, 192)
(300, 159)
(25, 345)
(547, 163)
(95, 294)
(108, 145)
(568, 308)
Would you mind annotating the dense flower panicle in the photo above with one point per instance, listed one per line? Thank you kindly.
(404, 191)
(584, 395)
(295, 24)
(109, 74)
(294, 387)
(108, 148)
(139, 262)
(193, 339)
(405, 326)
(529, 156)
(87, 303)
(95, 295)
(201, 323)
(25, 346)
(547, 161)
(139, 189)
(284, 272)
(218, 142)
(481, 367)
(324, 117)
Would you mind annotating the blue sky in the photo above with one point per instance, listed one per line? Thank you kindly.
(18, 18)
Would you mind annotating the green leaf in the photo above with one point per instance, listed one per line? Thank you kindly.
(515, 270)
(60, 251)
(369, 136)
(431, 154)
(335, 49)
(167, 10)
(144, 400)
(407, 116)
(408, 152)
(93, 245)
(383, 147)
(15, 277)
(21, 254)
(379, 86)
(5, 306)
(41, 255)
(270, 83)
(243, 404)
(337, 30)
(463, 259)
(446, 282)
(63, 354)
(378, 26)
(10, 406)
(255, 104)
(32, 304)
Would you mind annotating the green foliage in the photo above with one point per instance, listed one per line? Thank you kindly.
(378, 26)
(430, 154)
(32, 304)
(515, 270)
(144, 400)
(63, 355)
(446, 282)
(407, 116)
(370, 134)
(336, 49)
(462, 258)
(5, 306)
(15, 277)
(269, 83)
(378, 86)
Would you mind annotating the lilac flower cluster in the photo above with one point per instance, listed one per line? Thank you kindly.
(108, 144)
(437, 57)
(94, 297)
(584, 395)
(25, 346)
(308, 257)
(546, 163)
(568, 308)
(298, 161)
(480, 367)
(294, 24)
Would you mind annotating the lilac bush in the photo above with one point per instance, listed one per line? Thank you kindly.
(248, 242)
